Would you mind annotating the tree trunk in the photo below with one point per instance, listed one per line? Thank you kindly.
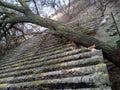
(109, 52)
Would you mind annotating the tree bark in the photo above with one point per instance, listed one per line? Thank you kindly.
(110, 53)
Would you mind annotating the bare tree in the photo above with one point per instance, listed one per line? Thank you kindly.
(101, 6)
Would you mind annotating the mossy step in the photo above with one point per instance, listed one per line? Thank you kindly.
(33, 53)
(92, 80)
(111, 67)
(55, 48)
(109, 64)
(45, 61)
(99, 88)
(23, 55)
(15, 59)
(40, 52)
(75, 71)
(3, 86)
(34, 57)
(37, 55)
(52, 46)
(60, 87)
(105, 61)
(76, 63)
(65, 48)
(24, 61)
(41, 58)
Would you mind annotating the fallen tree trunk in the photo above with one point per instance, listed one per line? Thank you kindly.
(110, 53)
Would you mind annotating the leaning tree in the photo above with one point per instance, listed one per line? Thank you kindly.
(25, 15)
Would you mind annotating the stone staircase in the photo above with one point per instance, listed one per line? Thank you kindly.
(55, 66)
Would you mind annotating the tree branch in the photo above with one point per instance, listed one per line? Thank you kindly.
(23, 3)
(36, 7)
(11, 6)
(21, 30)
(14, 20)
(17, 19)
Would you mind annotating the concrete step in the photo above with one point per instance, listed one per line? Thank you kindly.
(34, 51)
(111, 67)
(74, 71)
(43, 54)
(29, 69)
(24, 61)
(46, 56)
(51, 46)
(54, 68)
(54, 49)
(52, 59)
(92, 80)
(40, 49)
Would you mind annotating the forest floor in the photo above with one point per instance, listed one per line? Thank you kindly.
(108, 33)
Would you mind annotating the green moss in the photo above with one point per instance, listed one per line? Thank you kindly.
(84, 30)
(61, 27)
(101, 66)
(3, 85)
(19, 67)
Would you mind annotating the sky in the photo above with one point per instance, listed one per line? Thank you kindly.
(45, 12)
